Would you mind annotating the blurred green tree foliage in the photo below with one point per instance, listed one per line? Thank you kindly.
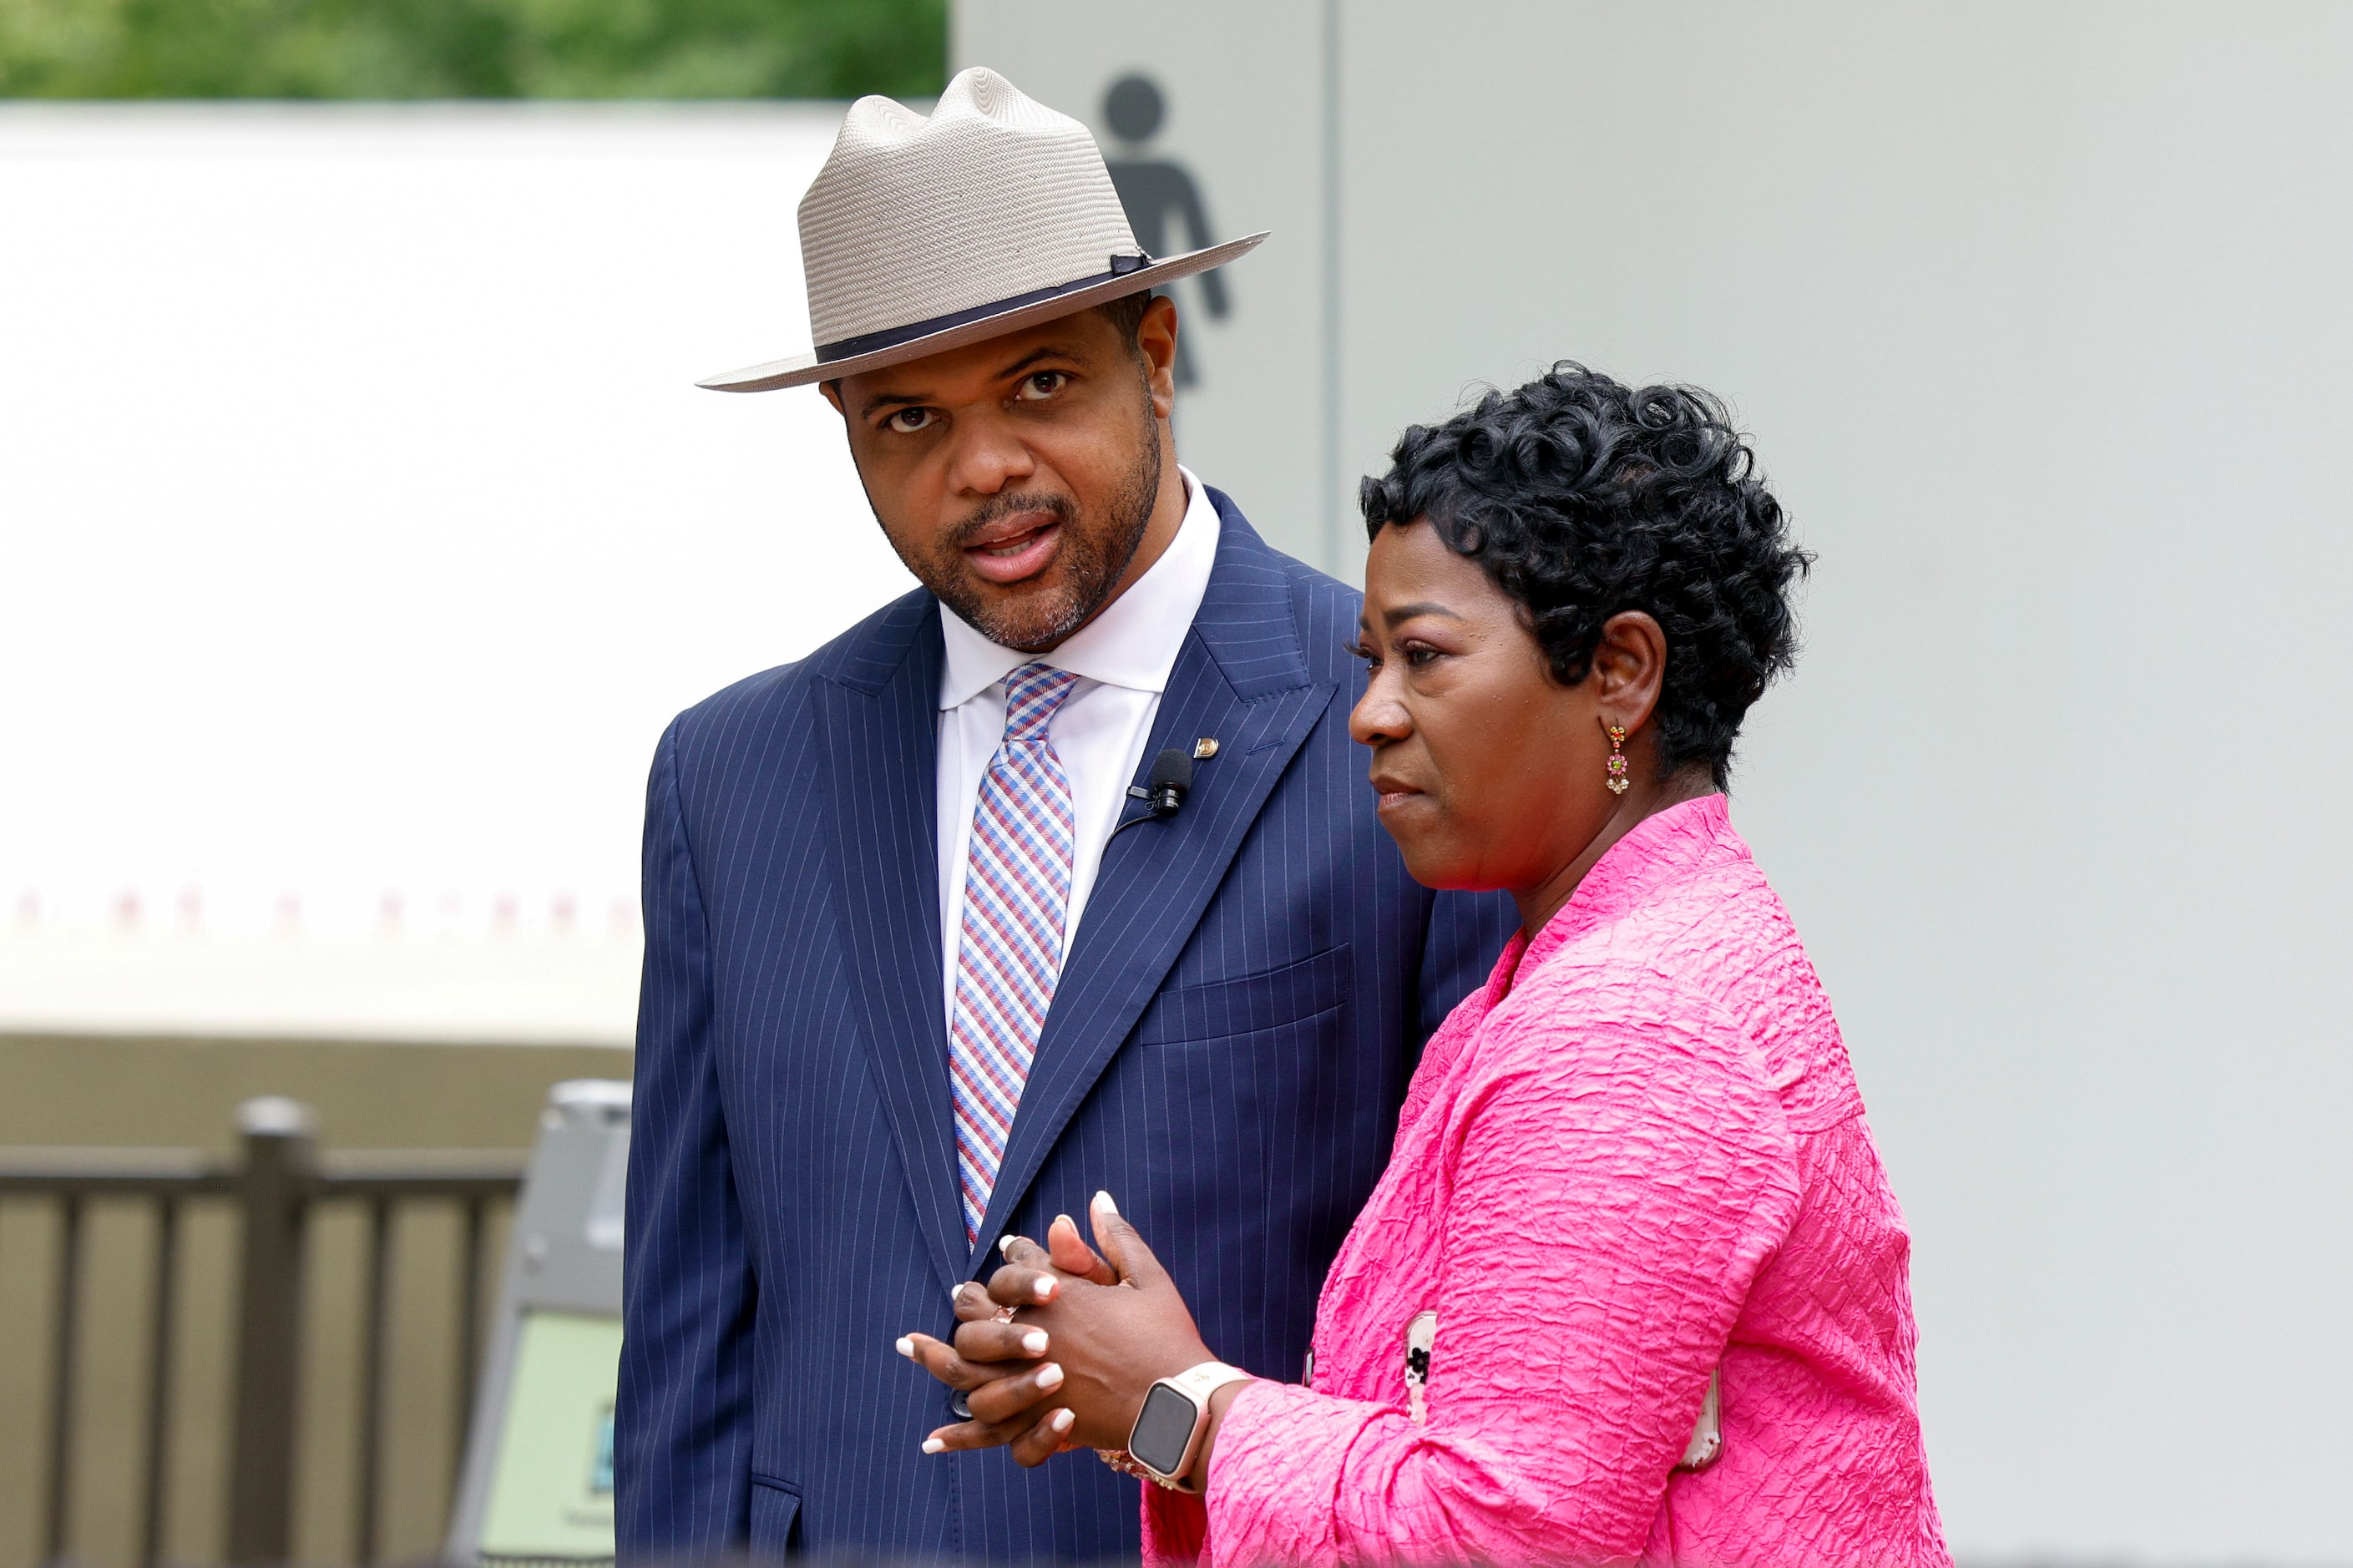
(472, 48)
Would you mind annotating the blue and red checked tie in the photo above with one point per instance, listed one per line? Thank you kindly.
(1017, 885)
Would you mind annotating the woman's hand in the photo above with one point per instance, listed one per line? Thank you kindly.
(999, 1363)
(1113, 1330)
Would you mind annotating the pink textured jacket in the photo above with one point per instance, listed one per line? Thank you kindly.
(1638, 1157)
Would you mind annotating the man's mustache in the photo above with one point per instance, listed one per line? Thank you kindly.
(999, 508)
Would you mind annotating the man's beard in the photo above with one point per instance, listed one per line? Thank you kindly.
(1092, 561)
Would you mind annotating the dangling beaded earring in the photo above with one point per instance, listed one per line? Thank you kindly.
(1616, 760)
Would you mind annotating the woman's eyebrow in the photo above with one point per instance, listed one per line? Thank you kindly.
(1407, 612)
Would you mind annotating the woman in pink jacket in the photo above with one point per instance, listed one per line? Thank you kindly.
(1633, 1286)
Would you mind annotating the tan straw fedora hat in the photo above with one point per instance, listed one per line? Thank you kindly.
(924, 233)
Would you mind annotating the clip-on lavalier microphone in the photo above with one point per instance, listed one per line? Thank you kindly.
(1171, 780)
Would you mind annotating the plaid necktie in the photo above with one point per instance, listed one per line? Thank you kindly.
(1017, 885)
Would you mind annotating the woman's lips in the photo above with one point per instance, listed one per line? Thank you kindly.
(1018, 553)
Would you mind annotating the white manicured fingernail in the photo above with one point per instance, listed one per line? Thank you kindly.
(907, 1347)
(1063, 1420)
(1103, 1202)
(1034, 1343)
(1045, 1289)
(933, 1445)
(1049, 1376)
(1005, 1246)
(956, 1294)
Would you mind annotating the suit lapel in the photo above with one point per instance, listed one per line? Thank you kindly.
(1241, 678)
(881, 704)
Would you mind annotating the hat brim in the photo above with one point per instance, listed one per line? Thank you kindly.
(802, 369)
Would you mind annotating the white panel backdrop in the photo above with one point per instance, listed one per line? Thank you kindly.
(360, 528)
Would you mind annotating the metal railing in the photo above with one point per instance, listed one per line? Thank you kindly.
(276, 1184)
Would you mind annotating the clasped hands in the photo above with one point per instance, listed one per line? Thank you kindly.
(1058, 1350)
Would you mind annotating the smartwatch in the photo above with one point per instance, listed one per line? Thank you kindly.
(1166, 1437)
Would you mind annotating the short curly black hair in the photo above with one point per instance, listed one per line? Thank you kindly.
(1582, 498)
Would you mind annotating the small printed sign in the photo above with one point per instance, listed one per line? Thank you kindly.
(551, 1493)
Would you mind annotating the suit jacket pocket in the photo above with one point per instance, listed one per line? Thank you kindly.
(1267, 1000)
(775, 1509)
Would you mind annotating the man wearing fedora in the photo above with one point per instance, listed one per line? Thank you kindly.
(927, 963)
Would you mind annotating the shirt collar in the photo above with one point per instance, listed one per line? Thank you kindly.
(1134, 642)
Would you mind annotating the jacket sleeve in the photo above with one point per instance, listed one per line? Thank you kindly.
(1612, 1193)
(681, 1415)
(1466, 934)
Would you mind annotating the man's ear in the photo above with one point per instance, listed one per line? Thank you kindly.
(832, 390)
(1155, 340)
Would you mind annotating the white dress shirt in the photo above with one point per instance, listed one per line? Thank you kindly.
(1121, 658)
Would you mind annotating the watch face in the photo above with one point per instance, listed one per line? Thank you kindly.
(1163, 1429)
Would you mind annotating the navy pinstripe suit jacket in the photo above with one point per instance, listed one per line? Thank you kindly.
(1226, 1053)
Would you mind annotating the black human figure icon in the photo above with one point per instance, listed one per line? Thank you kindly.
(1157, 193)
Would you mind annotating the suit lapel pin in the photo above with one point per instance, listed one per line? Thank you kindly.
(1205, 748)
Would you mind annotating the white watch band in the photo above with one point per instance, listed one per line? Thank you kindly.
(1202, 1381)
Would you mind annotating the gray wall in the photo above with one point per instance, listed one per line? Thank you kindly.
(2039, 315)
